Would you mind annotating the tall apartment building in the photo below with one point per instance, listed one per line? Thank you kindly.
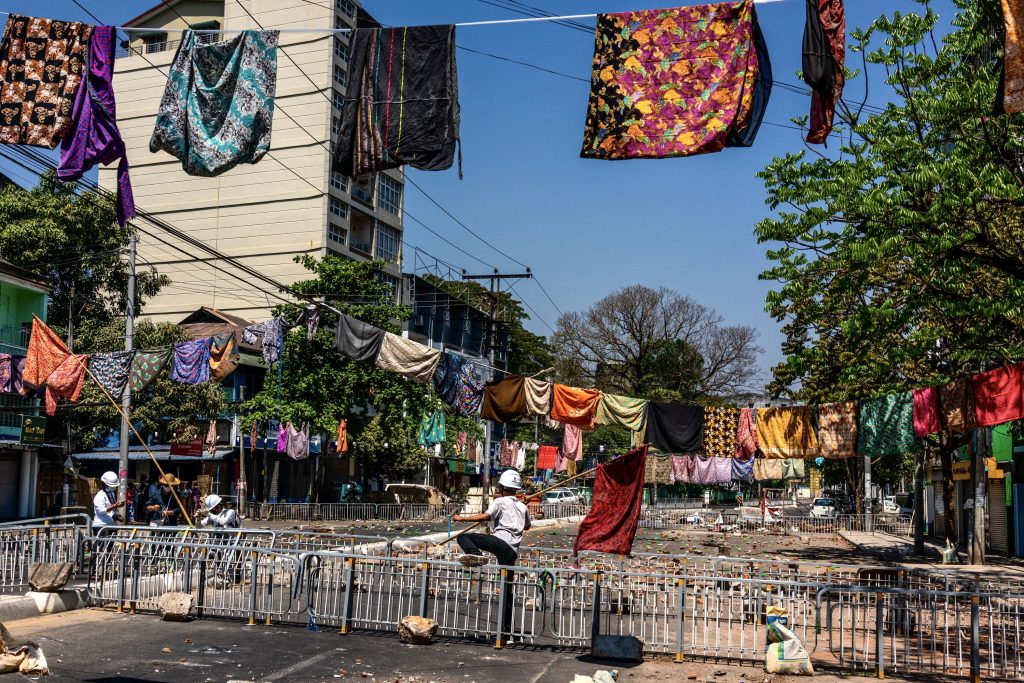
(265, 213)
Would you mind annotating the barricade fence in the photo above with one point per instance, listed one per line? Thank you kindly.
(351, 512)
(37, 541)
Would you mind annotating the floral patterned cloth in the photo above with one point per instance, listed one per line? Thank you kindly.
(223, 355)
(676, 82)
(746, 434)
(837, 429)
(5, 373)
(111, 370)
(191, 361)
(682, 468)
(42, 62)
(570, 405)
(66, 381)
(886, 426)
(146, 365)
(720, 426)
(218, 106)
(958, 405)
(471, 391)
(46, 352)
(658, 470)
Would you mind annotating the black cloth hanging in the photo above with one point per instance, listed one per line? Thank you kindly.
(402, 101)
(762, 90)
(674, 428)
(357, 339)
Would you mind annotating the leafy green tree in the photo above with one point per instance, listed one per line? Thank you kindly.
(898, 257)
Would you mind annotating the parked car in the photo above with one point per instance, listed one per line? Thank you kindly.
(824, 508)
(562, 496)
(581, 494)
(891, 506)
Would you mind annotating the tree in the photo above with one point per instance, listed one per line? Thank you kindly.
(320, 385)
(900, 257)
(640, 341)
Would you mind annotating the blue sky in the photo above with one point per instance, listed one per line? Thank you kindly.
(588, 227)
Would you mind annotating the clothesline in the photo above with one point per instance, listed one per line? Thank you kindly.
(489, 22)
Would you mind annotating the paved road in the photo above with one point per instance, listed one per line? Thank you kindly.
(95, 645)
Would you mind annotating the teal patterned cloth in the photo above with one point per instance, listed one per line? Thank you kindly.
(431, 429)
(218, 105)
(886, 426)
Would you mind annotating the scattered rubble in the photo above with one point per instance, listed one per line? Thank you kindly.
(175, 606)
(49, 577)
(417, 630)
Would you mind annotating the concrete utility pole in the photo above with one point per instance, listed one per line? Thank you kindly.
(492, 345)
(126, 397)
(869, 520)
(979, 450)
(921, 458)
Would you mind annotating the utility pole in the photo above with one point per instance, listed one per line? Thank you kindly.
(126, 397)
(492, 345)
(921, 458)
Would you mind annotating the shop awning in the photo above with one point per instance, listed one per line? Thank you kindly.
(162, 453)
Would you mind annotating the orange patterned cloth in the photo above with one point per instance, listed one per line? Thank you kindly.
(837, 429)
(573, 406)
(343, 436)
(1013, 57)
(66, 381)
(46, 352)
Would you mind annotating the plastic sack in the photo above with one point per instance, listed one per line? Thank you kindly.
(776, 615)
(950, 555)
(788, 656)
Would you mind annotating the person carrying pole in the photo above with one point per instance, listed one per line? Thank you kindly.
(165, 506)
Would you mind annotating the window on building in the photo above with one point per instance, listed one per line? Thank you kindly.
(388, 242)
(346, 6)
(339, 76)
(206, 38)
(155, 42)
(338, 99)
(336, 233)
(337, 207)
(389, 195)
(339, 181)
(393, 282)
(340, 49)
(362, 190)
(336, 126)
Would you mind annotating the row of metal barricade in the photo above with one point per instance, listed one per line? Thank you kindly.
(851, 618)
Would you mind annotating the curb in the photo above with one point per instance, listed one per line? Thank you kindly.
(33, 604)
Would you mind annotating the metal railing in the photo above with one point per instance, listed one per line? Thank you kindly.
(22, 544)
(351, 512)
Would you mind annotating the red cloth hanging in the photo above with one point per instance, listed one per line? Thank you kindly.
(999, 395)
(830, 16)
(611, 524)
(926, 411)
(546, 456)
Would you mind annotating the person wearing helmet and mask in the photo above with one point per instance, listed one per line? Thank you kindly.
(105, 502)
(218, 516)
(510, 519)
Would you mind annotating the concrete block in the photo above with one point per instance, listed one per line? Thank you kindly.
(55, 603)
(50, 577)
(625, 648)
(14, 607)
(417, 630)
(175, 606)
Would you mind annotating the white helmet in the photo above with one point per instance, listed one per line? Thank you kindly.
(510, 480)
(212, 501)
(110, 479)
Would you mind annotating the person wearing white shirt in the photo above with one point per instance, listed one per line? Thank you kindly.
(218, 516)
(105, 502)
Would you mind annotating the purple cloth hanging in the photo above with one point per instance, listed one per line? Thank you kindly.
(93, 136)
(282, 438)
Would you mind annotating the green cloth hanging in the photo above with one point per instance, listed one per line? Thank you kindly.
(886, 426)
(431, 429)
(622, 411)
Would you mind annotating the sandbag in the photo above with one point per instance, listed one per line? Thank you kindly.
(788, 655)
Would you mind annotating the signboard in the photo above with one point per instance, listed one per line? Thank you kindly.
(33, 430)
(193, 447)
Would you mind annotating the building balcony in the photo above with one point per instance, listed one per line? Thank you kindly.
(361, 246)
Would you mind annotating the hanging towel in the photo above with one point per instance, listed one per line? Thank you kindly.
(998, 395)
(46, 351)
(561, 463)
(93, 137)
(42, 63)
(342, 443)
(223, 356)
(5, 373)
(546, 457)
(743, 470)
(886, 426)
(926, 411)
(146, 365)
(507, 453)
(622, 411)
(538, 396)
(720, 426)
(520, 463)
(658, 469)
(570, 405)
(767, 470)
(824, 58)
(211, 438)
(111, 371)
(683, 468)
(402, 101)
(298, 442)
(746, 434)
(1012, 92)
(66, 381)
(282, 438)
(432, 429)
(958, 405)
(357, 339)
(792, 469)
(787, 432)
(269, 333)
(191, 362)
(504, 401)
(407, 358)
(572, 443)
(614, 515)
(837, 429)
(674, 428)
(218, 106)
(676, 82)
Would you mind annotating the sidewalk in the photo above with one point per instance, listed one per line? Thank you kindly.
(900, 550)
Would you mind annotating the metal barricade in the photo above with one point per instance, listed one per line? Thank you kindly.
(351, 512)
(21, 546)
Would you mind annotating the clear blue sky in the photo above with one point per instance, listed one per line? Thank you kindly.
(588, 227)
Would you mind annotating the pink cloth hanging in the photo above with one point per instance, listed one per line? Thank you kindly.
(926, 411)
(682, 469)
(746, 434)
